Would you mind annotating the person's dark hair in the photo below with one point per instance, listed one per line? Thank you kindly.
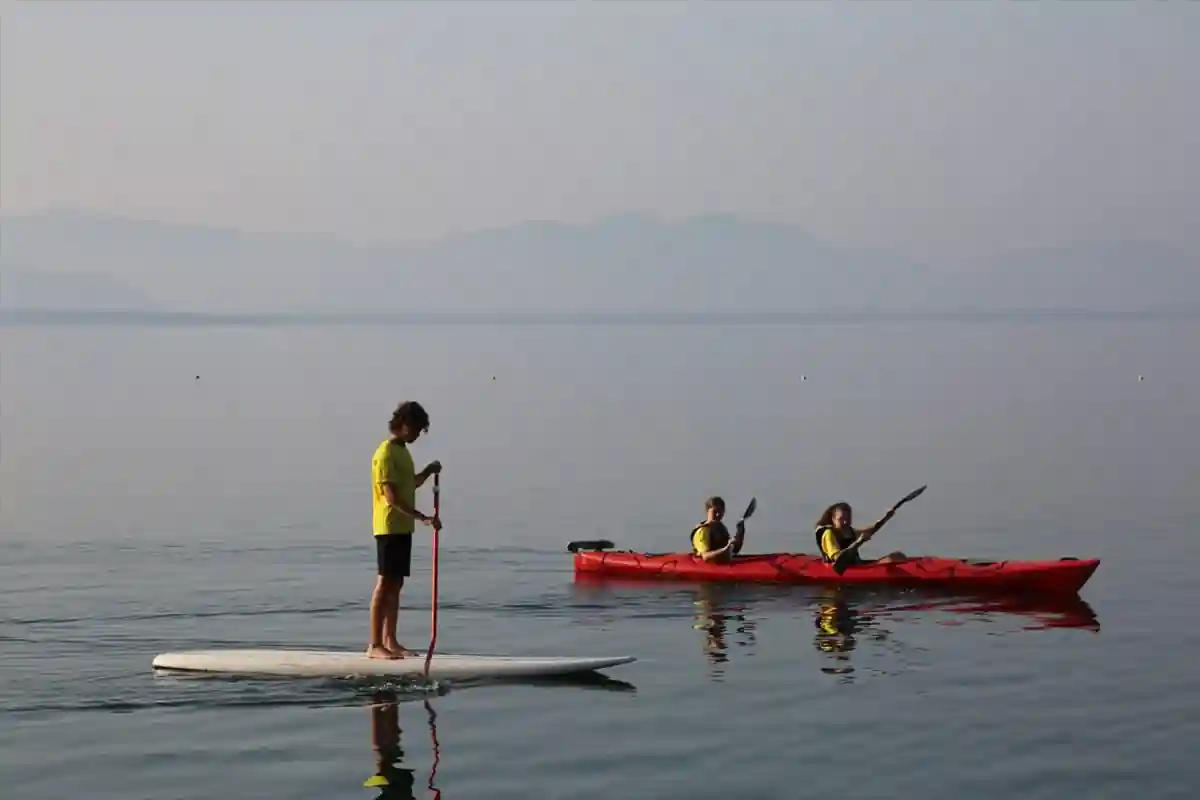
(827, 518)
(714, 502)
(409, 413)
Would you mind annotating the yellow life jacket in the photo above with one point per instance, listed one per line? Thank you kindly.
(843, 540)
(718, 535)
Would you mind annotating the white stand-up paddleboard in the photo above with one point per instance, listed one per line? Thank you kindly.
(337, 664)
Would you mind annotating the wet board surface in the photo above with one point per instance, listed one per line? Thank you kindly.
(334, 663)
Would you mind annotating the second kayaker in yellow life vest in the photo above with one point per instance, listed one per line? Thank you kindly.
(711, 540)
(835, 532)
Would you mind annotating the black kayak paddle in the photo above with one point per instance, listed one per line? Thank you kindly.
(842, 562)
(749, 509)
(745, 516)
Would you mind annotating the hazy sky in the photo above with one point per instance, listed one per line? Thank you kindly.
(928, 127)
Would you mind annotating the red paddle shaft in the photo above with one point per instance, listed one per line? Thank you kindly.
(437, 490)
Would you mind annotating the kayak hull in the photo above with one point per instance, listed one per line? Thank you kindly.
(1064, 576)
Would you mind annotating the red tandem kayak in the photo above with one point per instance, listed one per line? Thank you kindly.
(1065, 575)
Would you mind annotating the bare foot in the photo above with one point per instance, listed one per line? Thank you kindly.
(398, 650)
(379, 651)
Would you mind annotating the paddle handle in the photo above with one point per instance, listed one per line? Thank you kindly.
(433, 625)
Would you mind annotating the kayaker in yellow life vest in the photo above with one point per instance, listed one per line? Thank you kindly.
(711, 540)
(835, 532)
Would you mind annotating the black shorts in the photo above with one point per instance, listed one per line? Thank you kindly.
(393, 554)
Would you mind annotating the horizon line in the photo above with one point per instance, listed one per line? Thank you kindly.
(138, 317)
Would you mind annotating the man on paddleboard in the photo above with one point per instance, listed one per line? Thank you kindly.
(394, 487)
(711, 540)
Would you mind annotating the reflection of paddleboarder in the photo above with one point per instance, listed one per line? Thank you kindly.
(394, 781)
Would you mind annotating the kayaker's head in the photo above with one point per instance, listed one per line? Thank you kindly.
(839, 515)
(409, 421)
(715, 507)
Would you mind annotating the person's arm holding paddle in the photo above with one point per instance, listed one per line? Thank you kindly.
(702, 544)
(866, 533)
(706, 535)
(432, 468)
(848, 555)
(864, 536)
(739, 537)
(393, 500)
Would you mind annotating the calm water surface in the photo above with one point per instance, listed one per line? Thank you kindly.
(206, 487)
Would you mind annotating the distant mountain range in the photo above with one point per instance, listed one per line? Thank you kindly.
(25, 287)
(86, 261)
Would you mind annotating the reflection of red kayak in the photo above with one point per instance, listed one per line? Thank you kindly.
(1066, 575)
(847, 619)
(1045, 611)
(1053, 610)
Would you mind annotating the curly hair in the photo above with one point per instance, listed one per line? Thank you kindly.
(409, 413)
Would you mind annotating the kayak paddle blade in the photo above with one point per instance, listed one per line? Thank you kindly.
(750, 508)
(913, 495)
(590, 544)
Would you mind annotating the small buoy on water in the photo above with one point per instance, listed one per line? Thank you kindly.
(197, 377)
(1141, 377)
(803, 377)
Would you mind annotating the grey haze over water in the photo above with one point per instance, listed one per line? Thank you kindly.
(599, 157)
(629, 255)
(715, 264)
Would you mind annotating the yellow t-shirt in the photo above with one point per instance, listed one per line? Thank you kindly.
(392, 463)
